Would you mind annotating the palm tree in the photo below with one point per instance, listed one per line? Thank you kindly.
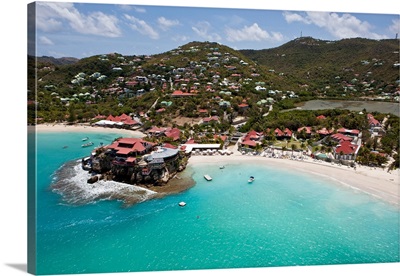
(294, 147)
(283, 149)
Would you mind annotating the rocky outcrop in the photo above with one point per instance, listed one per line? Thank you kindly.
(93, 179)
(103, 165)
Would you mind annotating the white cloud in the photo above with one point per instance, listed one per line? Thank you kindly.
(52, 15)
(251, 33)
(165, 24)
(345, 26)
(395, 27)
(180, 38)
(202, 29)
(132, 8)
(139, 9)
(45, 41)
(142, 27)
(295, 17)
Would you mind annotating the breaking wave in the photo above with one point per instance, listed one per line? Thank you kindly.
(70, 181)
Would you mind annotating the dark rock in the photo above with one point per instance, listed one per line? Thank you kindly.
(93, 179)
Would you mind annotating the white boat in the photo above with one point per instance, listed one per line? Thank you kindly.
(207, 177)
(87, 145)
(182, 203)
(251, 179)
(222, 167)
(85, 139)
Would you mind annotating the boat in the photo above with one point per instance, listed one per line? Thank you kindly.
(251, 179)
(85, 139)
(182, 204)
(87, 145)
(222, 167)
(207, 177)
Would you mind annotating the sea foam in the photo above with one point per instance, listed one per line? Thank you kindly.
(70, 182)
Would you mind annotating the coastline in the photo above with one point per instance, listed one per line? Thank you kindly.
(83, 128)
(375, 182)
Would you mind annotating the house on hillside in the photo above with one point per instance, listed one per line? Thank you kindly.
(373, 123)
(209, 120)
(179, 93)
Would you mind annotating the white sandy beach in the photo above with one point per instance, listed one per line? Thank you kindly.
(376, 182)
(84, 128)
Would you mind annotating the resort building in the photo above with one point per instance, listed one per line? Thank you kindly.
(304, 132)
(126, 147)
(346, 151)
(172, 133)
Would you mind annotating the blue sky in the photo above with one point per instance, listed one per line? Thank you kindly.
(86, 29)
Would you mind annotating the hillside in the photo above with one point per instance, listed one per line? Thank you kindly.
(333, 62)
(215, 80)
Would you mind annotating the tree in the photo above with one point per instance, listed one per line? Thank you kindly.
(72, 115)
(294, 147)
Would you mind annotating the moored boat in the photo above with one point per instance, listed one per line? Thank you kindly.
(251, 179)
(87, 145)
(182, 203)
(207, 177)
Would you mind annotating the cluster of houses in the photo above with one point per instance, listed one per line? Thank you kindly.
(123, 121)
(347, 141)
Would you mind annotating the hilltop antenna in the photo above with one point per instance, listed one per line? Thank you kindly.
(301, 34)
(396, 35)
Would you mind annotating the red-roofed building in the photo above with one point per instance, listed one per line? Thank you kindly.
(203, 112)
(288, 133)
(306, 131)
(249, 143)
(251, 139)
(346, 151)
(179, 93)
(124, 119)
(339, 137)
(279, 134)
(324, 132)
(190, 141)
(243, 106)
(173, 133)
(373, 122)
(156, 131)
(353, 132)
(125, 147)
(99, 117)
(321, 117)
(110, 118)
(169, 146)
(222, 137)
(210, 119)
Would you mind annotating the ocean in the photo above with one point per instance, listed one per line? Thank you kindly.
(281, 219)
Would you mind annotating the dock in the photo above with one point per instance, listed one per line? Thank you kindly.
(207, 177)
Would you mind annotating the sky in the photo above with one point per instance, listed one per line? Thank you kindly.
(68, 29)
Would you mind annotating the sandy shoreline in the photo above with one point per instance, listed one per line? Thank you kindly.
(84, 128)
(375, 182)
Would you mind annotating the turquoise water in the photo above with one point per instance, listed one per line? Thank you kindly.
(281, 219)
